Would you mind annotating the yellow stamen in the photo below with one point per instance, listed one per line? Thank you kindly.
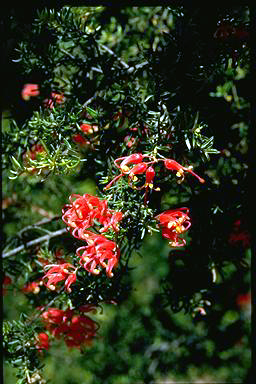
(124, 168)
(170, 224)
(52, 287)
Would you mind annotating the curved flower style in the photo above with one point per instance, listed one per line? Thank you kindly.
(172, 165)
(100, 252)
(61, 272)
(134, 164)
(83, 210)
(76, 330)
(173, 223)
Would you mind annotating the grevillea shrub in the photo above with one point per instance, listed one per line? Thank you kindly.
(126, 232)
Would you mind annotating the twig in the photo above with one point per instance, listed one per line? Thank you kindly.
(34, 242)
(113, 54)
(41, 222)
(67, 53)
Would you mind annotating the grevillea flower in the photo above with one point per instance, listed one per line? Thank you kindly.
(33, 287)
(42, 341)
(87, 129)
(29, 90)
(172, 165)
(174, 222)
(59, 273)
(52, 317)
(76, 330)
(131, 165)
(56, 98)
(134, 164)
(84, 210)
(34, 151)
(99, 253)
(135, 158)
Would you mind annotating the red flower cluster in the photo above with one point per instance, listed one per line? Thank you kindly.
(84, 210)
(29, 90)
(76, 330)
(174, 222)
(57, 273)
(87, 211)
(99, 252)
(134, 165)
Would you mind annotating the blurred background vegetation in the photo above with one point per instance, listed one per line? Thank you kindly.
(140, 339)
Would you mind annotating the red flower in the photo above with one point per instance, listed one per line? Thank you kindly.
(81, 330)
(130, 141)
(82, 212)
(56, 98)
(135, 158)
(76, 330)
(172, 165)
(33, 287)
(79, 139)
(29, 90)
(138, 168)
(6, 281)
(239, 235)
(42, 341)
(61, 272)
(34, 151)
(173, 223)
(100, 252)
(88, 129)
(243, 300)
(53, 316)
